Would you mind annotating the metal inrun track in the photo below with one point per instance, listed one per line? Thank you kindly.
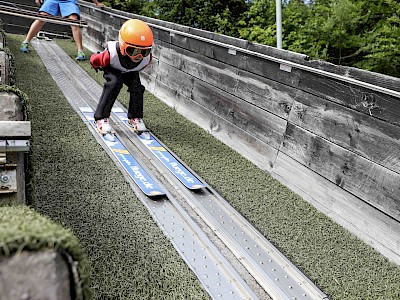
(277, 276)
(218, 277)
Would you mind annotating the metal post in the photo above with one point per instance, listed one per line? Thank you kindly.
(279, 24)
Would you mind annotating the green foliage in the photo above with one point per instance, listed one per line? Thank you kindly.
(259, 23)
(224, 23)
(266, 36)
(213, 15)
(294, 20)
(359, 33)
(381, 46)
(331, 32)
(363, 34)
(132, 6)
(383, 51)
(177, 11)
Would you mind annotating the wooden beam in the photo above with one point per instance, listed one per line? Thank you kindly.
(12, 129)
(374, 139)
(365, 221)
(365, 179)
(36, 16)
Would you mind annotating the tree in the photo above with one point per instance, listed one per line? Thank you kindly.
(176, 11)
(222, 16)
(258, 24)
(381, 46)
(213, 15)
(359, 33)
(133, 6)
(328, 32)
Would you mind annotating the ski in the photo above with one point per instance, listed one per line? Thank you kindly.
(135, 171)
(163, 154)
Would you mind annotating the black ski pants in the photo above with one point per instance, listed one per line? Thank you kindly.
(114, 82)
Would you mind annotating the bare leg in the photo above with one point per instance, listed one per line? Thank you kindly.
(76, 32)
(34, 29)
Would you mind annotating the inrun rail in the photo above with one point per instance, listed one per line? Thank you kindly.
(193, 219)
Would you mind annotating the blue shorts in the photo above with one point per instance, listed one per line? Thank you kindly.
(64, 8)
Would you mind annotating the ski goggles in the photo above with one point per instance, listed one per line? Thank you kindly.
(136, 52)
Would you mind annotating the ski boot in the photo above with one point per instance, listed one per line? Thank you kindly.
(138, 126)
(104, 128)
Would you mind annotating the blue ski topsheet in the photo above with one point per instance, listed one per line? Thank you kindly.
(173, 165)
(135, 171)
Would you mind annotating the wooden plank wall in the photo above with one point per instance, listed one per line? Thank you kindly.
(334, 143)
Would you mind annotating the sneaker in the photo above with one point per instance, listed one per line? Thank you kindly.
(137, 124)
(103, 127)
(24, 47)
(81, 55)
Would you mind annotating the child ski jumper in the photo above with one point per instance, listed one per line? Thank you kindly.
(121, 62)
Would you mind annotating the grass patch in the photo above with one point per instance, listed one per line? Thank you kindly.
(73, 181)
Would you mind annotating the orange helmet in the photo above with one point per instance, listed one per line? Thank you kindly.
(135, 39)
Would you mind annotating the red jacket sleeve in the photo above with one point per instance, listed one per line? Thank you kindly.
(100, 60)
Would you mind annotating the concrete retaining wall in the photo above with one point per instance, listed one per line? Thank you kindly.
(51, 278)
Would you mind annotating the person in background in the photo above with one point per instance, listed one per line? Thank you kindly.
(121, 62)
(67, 9)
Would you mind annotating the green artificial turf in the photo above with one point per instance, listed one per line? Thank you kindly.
(23, 229)
(343, 266)
(339, 263)
(74, 181)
